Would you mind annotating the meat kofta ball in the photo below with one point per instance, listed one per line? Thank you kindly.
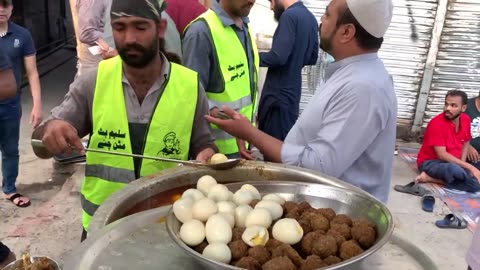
(279, 263)
(237, 233)
(343, 229)
(238, 248)
(329, 213)
(350, 249)
(362, 221)
(272, 244)
(288, 251)
(338, 237)
(365, 235)
(254, 202)
(312, 262)
(342, 219)
(259, 253)
(248, 263)
(319, 223)
(289, 206)
(331, 260)
(199, 248)
(305, 224)
(307, 215)
(295, 213)
(325, 246)
(304, 206)
(308, 240)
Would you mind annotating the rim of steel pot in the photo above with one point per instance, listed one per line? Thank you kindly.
(121, 201)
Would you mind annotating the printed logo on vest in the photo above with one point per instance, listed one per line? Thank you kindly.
(172, 145)
(237, 71)
(110, 136)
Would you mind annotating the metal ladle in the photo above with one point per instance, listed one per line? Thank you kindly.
(219, 166)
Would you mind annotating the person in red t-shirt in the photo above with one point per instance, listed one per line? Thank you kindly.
(184, 12)
(442, 157)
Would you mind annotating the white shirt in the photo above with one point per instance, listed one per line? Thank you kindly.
(348, 129)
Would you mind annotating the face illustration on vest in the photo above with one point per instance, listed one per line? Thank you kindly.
(171, 145)
(237, 71)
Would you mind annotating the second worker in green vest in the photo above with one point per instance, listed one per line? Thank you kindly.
(220, 47)
(137, 102)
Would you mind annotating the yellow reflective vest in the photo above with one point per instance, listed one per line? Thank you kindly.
(235, 75)
(167, 135)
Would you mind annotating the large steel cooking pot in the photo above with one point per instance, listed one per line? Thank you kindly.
(129, 227)
(160, 189)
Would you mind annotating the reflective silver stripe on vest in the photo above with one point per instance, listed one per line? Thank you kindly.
(221, 135)
(87, 206)
(236, 105)
(110, 173)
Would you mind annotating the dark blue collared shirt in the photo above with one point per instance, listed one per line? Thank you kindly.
(295, 45)
(17, 44)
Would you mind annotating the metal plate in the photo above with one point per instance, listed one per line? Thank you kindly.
(18, 264)
(141, 241)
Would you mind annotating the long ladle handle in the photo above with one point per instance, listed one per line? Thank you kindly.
(39, 143)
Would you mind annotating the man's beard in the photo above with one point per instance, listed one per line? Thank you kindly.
(145, 57)
(278, 10)
(243, 11)
(451, 117)
(325, 43)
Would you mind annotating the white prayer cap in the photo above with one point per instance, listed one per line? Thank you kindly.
(373, 15)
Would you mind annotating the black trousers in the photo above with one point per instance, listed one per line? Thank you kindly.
(4, 252)
(84, 235)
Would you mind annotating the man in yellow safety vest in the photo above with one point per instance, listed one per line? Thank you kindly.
(137, 102)
(219, 45)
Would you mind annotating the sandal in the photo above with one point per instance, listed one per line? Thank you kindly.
(412, 188)
(19, 203)
(451, 222)
(428, 201)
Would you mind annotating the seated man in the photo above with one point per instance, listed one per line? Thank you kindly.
(473, 111)
(442, 157)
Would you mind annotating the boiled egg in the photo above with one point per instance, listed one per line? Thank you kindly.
(229, 217)
(194, 193)
(203, 209)
(218, 230)
(219, 193)
(218, 158)
(274, 197)
(183, 209)
(241, 213)
(275, 209)
(242, 196)
(205, 183)
(218, 252)
(226, 207)
(253, 190)
(288, 231)
(255, 236)
(192, 232)
(260, 217)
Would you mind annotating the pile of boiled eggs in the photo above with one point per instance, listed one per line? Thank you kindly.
(211, 211)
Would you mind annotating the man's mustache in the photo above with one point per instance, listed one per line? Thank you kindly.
(136, 47)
